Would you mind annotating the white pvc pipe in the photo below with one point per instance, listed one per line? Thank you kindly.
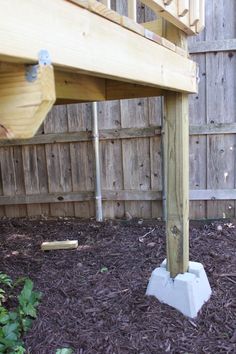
(98, 189)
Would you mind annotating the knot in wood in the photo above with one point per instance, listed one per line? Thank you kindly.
(175, 231)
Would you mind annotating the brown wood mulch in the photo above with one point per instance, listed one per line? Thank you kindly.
(94, 297)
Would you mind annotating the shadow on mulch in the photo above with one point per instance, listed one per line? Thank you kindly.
(93, 297)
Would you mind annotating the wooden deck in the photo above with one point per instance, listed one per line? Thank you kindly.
(79, 40)
(97, 54)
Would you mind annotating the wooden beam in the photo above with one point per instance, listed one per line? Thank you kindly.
(120, 53)
(177, 181)
(59, 245)
(26, 96)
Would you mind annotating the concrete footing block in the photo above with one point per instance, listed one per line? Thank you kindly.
(186, 292)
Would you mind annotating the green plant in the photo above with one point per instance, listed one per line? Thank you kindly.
(104, 270)
(15, 322)
(64, 351)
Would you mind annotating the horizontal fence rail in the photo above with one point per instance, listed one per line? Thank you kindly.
(113, 195)
(113, 134)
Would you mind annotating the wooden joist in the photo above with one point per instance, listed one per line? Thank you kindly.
(120, 53)
(26, 96)
(72, 87)
(59, 245)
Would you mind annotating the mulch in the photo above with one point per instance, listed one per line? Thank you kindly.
(94, 297)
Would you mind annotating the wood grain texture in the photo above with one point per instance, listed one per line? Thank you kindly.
(177, 185)
(221, 90)
(109, 117)
(24, 104)
(59, 245)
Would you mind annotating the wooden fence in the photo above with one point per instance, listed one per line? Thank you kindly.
(53, 173)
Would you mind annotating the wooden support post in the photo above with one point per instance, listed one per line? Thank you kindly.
(176, 169)
(177, 181)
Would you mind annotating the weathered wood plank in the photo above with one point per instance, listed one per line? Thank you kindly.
(8, 179)
(221, 45)
(119, 133)
(136, 156)
(198, 142)
(213, 128)
(58, 161)
(220, 84)
(112, 196)
(31, 178)
(80, 136)
(112, 173)
(213, 194)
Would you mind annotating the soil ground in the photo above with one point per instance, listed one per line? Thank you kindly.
(94, 297)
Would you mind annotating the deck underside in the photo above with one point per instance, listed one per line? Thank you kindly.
(80, 41)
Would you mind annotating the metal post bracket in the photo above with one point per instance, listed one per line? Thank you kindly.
(31, 71)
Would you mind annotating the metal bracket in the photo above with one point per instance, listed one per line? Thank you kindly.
(31, 72)
(44, 57)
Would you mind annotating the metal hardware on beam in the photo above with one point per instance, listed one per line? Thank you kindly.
(44, 57)
(31, 72)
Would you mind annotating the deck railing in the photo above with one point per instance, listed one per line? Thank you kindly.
(188, 15)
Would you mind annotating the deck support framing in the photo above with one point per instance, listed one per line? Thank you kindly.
(176, 171)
